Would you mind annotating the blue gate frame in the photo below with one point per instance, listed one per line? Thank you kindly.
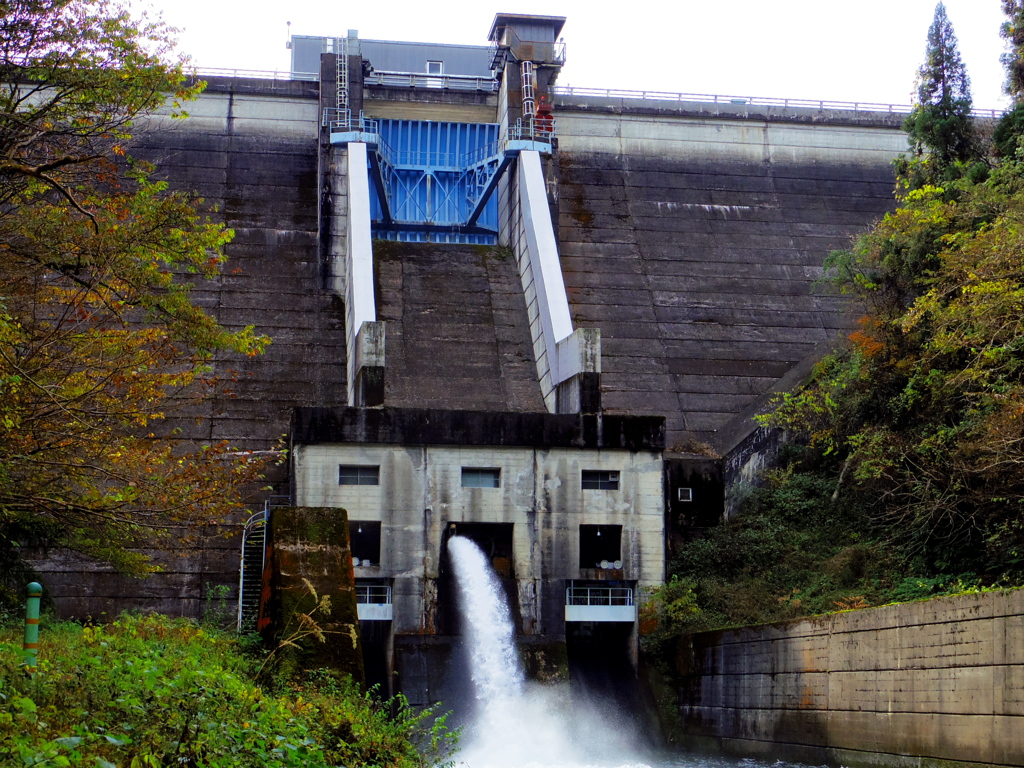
(434, 181)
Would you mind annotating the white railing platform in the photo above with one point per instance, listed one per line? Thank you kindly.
(423, 80)
(255, 74)
(599, 604)
(373, 602)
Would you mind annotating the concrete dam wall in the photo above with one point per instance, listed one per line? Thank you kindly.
(458, 334)
(553, 348)
(691, 240)
(933, 683)
(694, 241)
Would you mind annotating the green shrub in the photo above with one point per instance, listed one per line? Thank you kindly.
(803, 544)
(148, 691)
(797, 548)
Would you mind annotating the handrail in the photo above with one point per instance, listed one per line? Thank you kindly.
(258, 74)
(342, 120)
(760, 101)
(482, 154)
(423, 80)
(257, 520)
(375, 594)
(532, 129)
(608, 93)
(599, 596)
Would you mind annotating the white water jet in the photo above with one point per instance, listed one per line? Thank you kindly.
(517, 725)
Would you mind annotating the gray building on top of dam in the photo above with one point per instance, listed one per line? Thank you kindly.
(536, 316)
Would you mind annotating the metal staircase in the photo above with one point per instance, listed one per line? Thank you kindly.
(250, 585)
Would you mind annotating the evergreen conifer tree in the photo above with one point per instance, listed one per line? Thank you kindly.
(1013, 32)
(1011, 127)
(941, 121)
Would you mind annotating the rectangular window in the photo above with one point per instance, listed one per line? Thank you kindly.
(602, 480)
(476, 477)
(358, 474)
(435, 67)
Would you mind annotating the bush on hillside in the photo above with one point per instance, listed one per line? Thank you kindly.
(806, 543)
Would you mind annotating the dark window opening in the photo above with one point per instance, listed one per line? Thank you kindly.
(495, 539)
(364, 537)
(686, 494)
(496, 542)
(594, 479)
(358, 474)
(475, 477)
(435, 67)
(600, 660)
(601, 546)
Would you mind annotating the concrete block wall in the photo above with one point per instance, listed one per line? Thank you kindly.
(250, 150)
(695, 242)
(191, 583)
(457, 330)
(677, 133)
(540, 494)
(939, 682)
(400, 103)
(334, 223)
(310, 559)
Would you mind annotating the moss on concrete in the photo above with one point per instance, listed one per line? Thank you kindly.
(311, 558)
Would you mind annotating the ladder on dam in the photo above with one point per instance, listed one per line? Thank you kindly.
(342, 80)
(250, 584)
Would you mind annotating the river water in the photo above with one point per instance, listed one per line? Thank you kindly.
(519, 725)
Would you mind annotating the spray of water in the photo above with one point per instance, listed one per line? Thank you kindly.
(518, 725)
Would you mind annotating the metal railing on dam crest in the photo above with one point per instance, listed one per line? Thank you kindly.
(435, 82)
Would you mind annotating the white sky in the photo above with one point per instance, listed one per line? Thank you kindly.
(849, 50)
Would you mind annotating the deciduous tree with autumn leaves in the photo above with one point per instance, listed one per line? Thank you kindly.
(98, 332)
(924, 409)
(903, 473)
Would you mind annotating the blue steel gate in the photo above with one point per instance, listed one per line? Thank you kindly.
(434, 175)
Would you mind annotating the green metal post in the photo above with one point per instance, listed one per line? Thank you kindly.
(35, 591)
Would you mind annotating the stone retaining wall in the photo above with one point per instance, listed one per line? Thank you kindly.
(931, 683)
